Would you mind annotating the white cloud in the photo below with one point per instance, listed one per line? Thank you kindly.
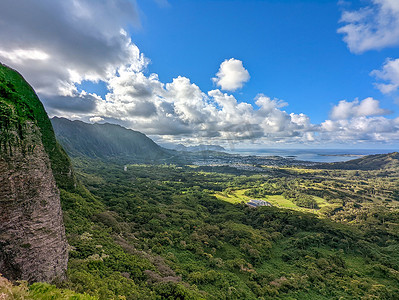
(23, 55)
(231, 75)
(360, 130)
(96, 119)
(390, 74)
(367, 107)
(61, 43)
(372, 27)
(181, 109)
(359, 122)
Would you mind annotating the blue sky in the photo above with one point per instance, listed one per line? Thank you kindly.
(282, 73)
(291, 49)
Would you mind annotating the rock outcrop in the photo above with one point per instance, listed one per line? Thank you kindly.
(33, 245)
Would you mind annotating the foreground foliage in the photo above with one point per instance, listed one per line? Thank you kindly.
(41, 291)
(156, 232)
(19, 104)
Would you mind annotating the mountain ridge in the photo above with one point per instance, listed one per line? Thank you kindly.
(366, 163)
(105, 141)
(33, 244)
(17, 92)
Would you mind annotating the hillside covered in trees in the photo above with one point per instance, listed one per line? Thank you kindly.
(106, 141)
(162, 231)
(177, 231)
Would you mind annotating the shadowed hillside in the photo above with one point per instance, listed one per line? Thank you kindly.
(367, 163)
(105, 141)
(168, 231)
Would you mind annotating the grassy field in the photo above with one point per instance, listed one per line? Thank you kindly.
(237, 196)
(280, 201)
(321, 202)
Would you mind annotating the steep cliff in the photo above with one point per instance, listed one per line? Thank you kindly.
(33, 245)
(106, 141)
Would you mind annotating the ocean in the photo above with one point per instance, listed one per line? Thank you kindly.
(316, 155)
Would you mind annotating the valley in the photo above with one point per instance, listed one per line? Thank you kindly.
(193, 218)
(139, 221)
(199, 150)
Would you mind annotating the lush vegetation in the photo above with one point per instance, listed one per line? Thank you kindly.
(185, 232)
(158, 232)
(41, 291)
(367, 163)
(106, 141)
(19, 105)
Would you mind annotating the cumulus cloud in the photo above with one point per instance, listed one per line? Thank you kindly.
(390, 74)
(83, 103)
(20, 56)
(231, 75)
(57, 45)
(367, 107)
(372, 27)
(360, 130)
(96, 119)
(180, 108)
(359, 122)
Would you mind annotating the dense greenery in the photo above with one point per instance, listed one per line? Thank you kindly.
(156, 232)
(18, 105)
(370, 162)
(106, 141)
(41, 291)
(163, 231)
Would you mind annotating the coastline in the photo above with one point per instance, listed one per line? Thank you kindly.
(314, 155)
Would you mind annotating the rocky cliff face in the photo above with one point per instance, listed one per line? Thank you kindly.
(33, 245)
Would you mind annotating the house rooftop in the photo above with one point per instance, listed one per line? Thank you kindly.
(257, 203)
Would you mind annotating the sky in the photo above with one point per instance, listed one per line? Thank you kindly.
(273, 73)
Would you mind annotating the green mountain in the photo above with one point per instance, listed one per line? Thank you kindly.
(165, 231)
(19, 104)
(33, 245)
(105, 141)
(367, 163)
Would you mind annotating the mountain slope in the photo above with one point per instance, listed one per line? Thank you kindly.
(367, 163)
(33, 245)
(19, 104)
(105, 141)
